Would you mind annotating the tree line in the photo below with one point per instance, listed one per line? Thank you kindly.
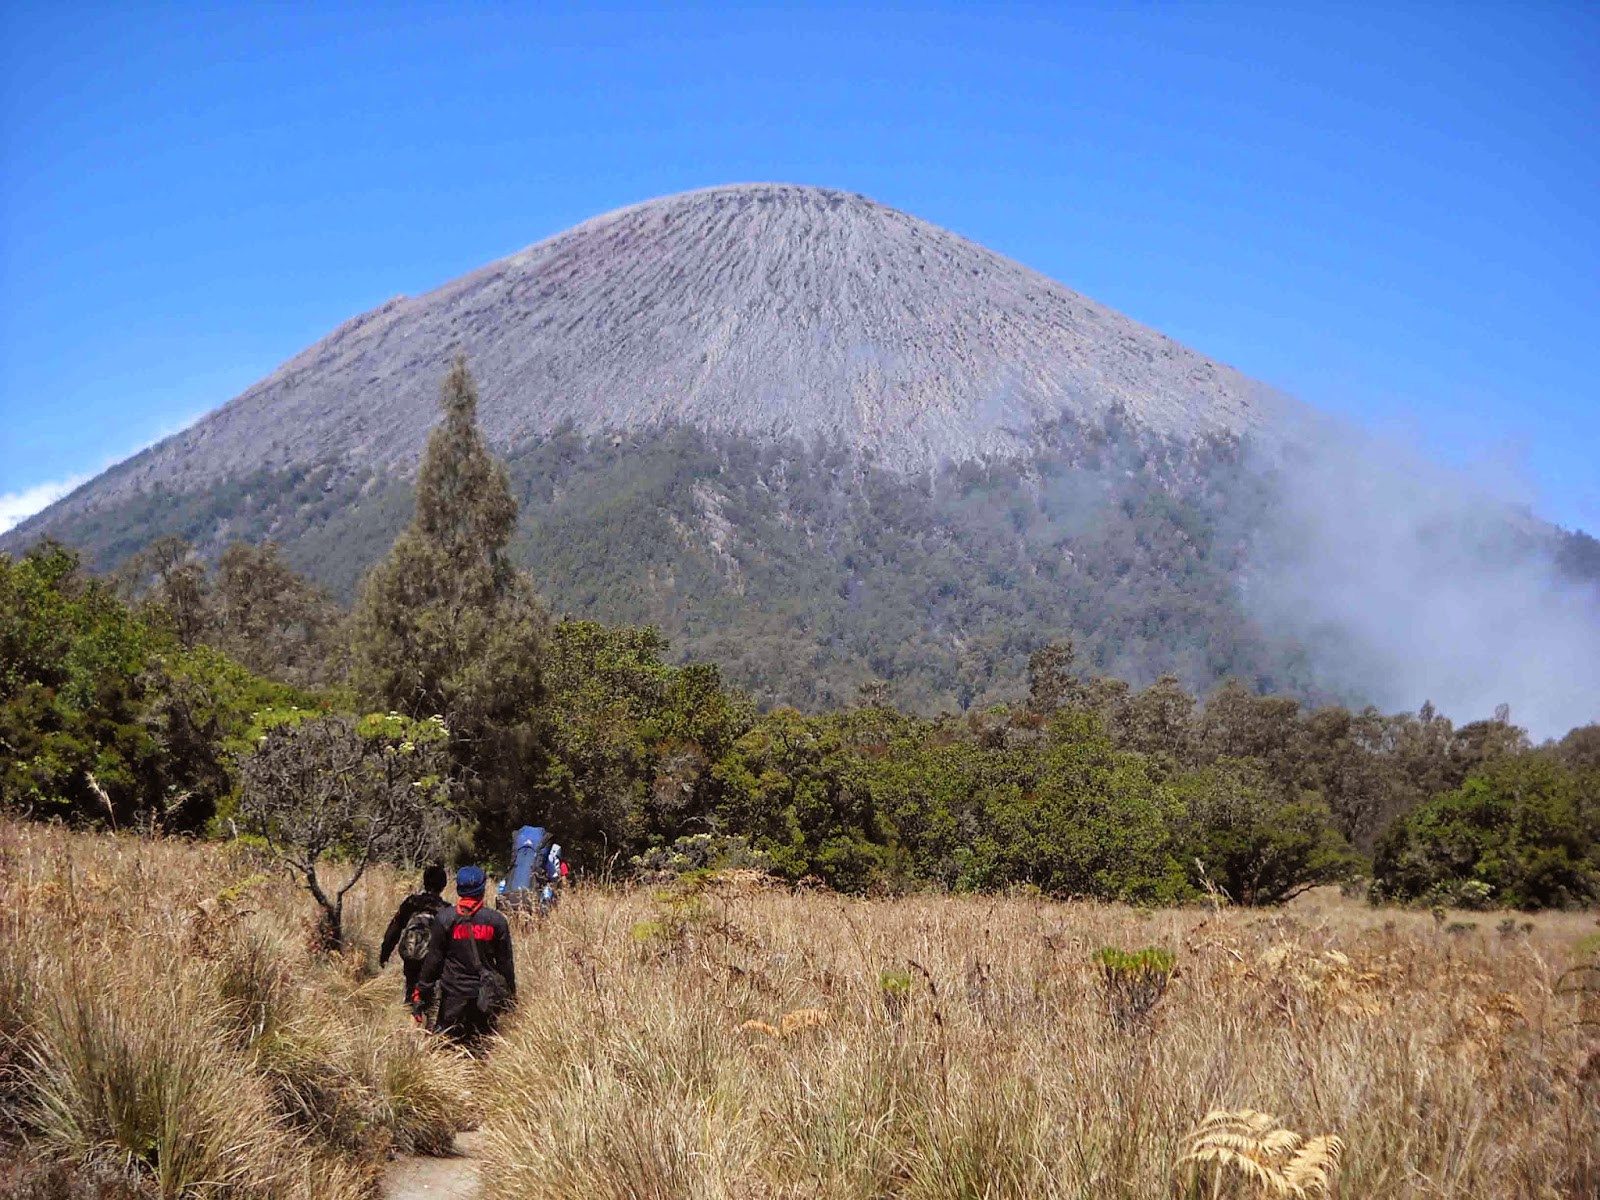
(215, 699)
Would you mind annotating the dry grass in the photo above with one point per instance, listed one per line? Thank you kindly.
(678, 1064)
(163, 1024)
(162, 1021)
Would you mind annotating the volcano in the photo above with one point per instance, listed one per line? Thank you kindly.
(813, 439)
(760, 310)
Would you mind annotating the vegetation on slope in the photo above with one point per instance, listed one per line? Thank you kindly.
(175, 1020)
(805, 571)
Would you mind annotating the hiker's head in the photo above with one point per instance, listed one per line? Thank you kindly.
(470, 881)
(434, 877)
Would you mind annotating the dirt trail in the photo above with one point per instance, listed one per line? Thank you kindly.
(454, 1178)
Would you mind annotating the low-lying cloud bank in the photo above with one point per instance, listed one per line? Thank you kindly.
(1409, 582)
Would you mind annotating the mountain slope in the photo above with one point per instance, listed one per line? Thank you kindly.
(760, 310)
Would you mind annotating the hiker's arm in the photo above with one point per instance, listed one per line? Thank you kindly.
(391, 935)
(508, 960)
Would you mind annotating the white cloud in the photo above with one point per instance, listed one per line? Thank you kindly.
(16, 507)
(1409, 581)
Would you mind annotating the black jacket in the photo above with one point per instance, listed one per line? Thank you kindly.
(414, 903)
(452, 967)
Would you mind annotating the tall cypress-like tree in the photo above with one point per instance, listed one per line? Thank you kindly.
(445, 624)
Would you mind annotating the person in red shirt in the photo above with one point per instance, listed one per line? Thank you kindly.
(469, 964)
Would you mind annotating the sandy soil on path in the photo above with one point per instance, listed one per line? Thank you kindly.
(454, 1178)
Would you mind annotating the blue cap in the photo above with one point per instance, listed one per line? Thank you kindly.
(469, 881)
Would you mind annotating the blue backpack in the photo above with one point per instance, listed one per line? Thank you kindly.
(530, 865)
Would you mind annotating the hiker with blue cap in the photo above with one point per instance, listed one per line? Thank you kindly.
(469, 964)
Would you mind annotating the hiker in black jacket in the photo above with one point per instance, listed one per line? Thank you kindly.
(469, 964)
(413, 938)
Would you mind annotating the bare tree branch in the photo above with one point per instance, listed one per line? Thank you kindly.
(325, 790)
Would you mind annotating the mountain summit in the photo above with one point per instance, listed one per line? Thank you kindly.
(757, 309)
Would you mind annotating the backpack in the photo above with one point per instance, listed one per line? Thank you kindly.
(416, 936)
(530, 848)
(494, 993)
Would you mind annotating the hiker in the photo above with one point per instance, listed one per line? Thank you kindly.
(469, 964)
(411, 928)
(536, 869)
(555, 874)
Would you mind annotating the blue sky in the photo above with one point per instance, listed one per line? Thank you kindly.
(1392, 214)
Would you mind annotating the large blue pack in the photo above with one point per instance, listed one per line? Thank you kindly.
(530, 865)
(530, 847)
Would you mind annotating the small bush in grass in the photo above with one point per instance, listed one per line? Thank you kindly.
(895, 985)
(682, 914)
(1134, 981)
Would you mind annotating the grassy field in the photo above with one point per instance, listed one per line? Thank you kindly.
(163, 1019)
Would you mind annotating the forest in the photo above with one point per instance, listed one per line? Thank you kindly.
(171, 692)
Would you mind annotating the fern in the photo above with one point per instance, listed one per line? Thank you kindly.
(1251, 1151)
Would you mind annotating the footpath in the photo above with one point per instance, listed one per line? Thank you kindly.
(453, 1178)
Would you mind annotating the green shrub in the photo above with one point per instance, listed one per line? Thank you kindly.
(1134, 982)
(1256, 846)
(1513, 833)
(894, 984)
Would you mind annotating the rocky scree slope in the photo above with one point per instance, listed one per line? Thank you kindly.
(759, 310)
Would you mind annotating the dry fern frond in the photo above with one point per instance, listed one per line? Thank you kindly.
(1252, 1147)
(1331, 979)
(802, 1019)
(1311, 1169)
(790, 1024)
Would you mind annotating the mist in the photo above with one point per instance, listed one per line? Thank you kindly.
(1408, 581)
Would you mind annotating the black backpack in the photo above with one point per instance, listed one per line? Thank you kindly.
(416, 936)
(494, 993)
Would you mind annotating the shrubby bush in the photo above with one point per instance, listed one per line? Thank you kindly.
(107, 718)
(1514, 835)
(701, 852)
(104, 715)
(1256, 845)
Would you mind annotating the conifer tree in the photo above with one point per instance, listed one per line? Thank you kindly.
(446, 625)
